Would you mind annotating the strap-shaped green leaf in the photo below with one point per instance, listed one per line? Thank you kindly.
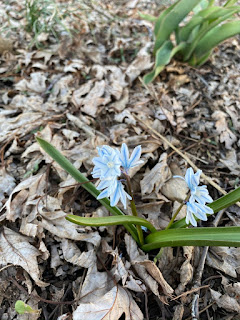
(78, 176)
(207, 38)
(163, 57)
(110, 221)
(161, 17)
(229, 236)
(217, 205)
(147, 17)
(210, 15)
(172, 19)
(216, 36)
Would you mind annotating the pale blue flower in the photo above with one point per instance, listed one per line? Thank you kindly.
(199, 196)
(107, 164)
(119, 194)
(197, 210)
(198, 193)
(126, 162)
(108, 168)
(113, 189)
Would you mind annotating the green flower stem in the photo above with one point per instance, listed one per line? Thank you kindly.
(157, 257)
(134, 209)
(177, 212)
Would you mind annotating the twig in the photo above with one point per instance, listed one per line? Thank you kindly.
(37, 297)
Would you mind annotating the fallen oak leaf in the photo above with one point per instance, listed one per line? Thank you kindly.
(112, 305)
(17, 250)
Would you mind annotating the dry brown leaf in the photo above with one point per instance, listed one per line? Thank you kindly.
(22, 123)
(17, 250)
(72, 254)
(7, 184)
(229, 260)
(140, 63)
(30, 188)
(5, 45)
(186, 270)
(231, 162)
(225, 301)
(53, 220)
(37, 83)
(136, 258)
(154, 179)
(111, 306)
(226, 135)
(175, 189)
(95, 98)
(154, 271)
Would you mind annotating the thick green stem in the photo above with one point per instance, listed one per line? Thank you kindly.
(134, 209)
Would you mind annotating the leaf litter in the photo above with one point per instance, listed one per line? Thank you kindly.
(83, 91)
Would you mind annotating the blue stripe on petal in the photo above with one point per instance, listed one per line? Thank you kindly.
(125, 155)
(196, 177)
(102, 195)
(188, 177)
(136, 154)
(114, 197)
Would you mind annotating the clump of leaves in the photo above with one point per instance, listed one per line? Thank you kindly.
(44, 16)
(194, 39)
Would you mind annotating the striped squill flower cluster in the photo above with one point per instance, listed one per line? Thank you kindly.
(199, 196)
(109, 167)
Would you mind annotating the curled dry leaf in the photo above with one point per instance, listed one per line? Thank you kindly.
(37, 83)
(17, 250)
(186, 270)
(140, 63)
(225, 259)
(53, 220)
(154, 271)
(112, 305)
(225, 301)
(72, 254)
(175, 189)
(7, 184)
(154, 179)
(226, 135)
(231, 162)
(146, 271)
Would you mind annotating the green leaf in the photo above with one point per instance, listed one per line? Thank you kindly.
(228, 236)
(171, 20)
(208, 15)
(78, 176)
(207, 28)
(111, 220)
(230, 3)
(163, 57)
(217, 205)
(214, 37)
(147, 17)
(22, 307)
(161, 17)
